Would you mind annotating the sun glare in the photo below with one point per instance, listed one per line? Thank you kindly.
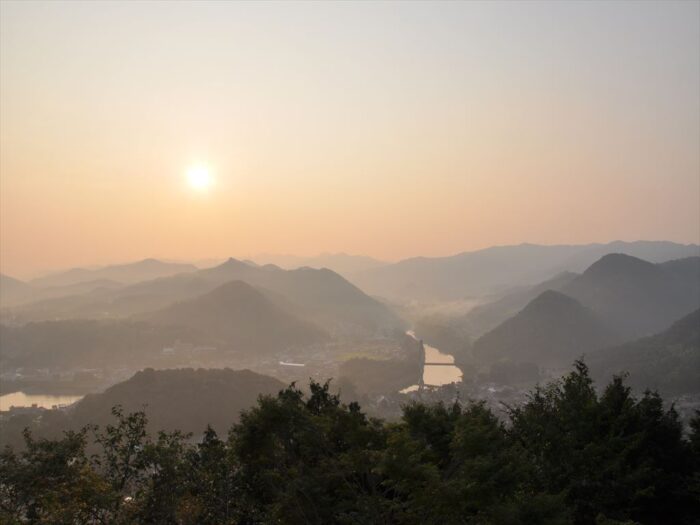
(199, 178)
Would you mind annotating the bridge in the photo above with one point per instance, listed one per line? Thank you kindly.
(422, 363)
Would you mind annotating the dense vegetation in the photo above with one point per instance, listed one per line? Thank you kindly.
(182, 399)
(568, 455)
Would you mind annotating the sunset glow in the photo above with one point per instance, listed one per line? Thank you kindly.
(378, 244)
(386, 129)
(199, 178)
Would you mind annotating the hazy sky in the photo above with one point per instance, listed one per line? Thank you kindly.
(389, 129)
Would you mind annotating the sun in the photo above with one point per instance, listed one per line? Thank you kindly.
(199, 177)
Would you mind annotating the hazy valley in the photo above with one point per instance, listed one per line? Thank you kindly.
(350, 263)
(299, 323)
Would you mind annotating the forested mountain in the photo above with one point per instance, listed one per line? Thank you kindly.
(668, 362)
(498, 268)
(181, 399)
(637, 297)
(122, 273)
(240, 317)
(551, 331)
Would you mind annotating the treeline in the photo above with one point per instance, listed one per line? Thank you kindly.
(568, 455)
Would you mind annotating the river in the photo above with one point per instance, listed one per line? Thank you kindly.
(436, 375)
(20, 399)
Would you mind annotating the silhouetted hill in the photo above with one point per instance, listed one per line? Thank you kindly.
(122, 273)
(552, 330)
(487, 316)
(184, 399)
(494, 269)
(668, 361)
(241, 317)
(635, 296)
(324, 296)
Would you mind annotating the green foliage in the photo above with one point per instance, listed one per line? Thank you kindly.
(51, 482)
(613, 454)
(568, 455)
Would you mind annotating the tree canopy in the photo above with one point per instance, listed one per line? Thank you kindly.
(568, 455)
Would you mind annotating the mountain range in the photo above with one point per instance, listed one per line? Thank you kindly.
(496, 269)
(237, 315)
(121, 273)
(319, 296)
(342, 263)
(634, 296)
(77, 281)
(618, 298)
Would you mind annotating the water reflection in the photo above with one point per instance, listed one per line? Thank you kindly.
(20, 399)
(437, 375)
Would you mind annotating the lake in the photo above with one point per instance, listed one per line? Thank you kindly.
(20, 399)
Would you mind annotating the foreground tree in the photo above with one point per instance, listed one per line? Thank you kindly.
(568, 455)
(611, 456)
(51, 482)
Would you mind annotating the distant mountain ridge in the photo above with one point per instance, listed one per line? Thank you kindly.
(633, 296)
(638, 297)
(122, 273)
(486, 271)
(321, 296)
(342, 263)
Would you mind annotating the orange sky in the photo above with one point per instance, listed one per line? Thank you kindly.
(388, 129)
